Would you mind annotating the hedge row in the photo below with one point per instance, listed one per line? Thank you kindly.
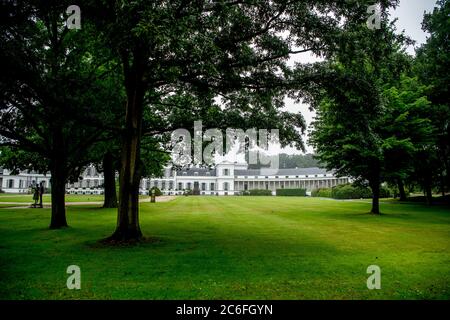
(291, 192)
(349, 191)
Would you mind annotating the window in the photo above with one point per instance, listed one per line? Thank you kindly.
(163, 185)
(184, 173)
(225, 186)
(212, 186)
(226, 172)
(189, 185)
(203, 186)
(170, 185)
(10, 183)
(195, 173)
(180, 186)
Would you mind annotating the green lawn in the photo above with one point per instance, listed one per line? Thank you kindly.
(232, 247)
(28, 198)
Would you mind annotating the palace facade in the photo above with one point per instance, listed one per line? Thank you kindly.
(227, 178)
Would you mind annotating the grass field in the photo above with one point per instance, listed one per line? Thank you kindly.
(232, 248)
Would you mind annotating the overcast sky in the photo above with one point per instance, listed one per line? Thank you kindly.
(409, 14)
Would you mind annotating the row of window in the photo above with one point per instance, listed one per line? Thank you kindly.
(87, 183)
(23, 184)
(225, 172)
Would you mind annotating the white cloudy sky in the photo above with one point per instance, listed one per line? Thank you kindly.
(409, 14)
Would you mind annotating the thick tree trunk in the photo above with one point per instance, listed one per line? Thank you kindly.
(128, 228)
(401, 189)
(109, 182)
(375, 186)
(58, 191)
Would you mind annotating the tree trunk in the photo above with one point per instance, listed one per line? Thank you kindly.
(375, 186)
(109, 182)
(58, 191)
(401, 189)
(429, 194)
(128, 229)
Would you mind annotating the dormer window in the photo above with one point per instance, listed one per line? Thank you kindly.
(208, 174)
(184, 173)
(195, 173)
(226, 172)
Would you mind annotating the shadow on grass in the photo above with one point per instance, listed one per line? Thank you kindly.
(111, 244)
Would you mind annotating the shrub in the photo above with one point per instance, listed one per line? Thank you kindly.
(157, 191)
(257, 192)
(348, 191)
(322, 192)
(291, 192)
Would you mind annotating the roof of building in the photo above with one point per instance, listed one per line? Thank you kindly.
(197, 171)
(283, 172)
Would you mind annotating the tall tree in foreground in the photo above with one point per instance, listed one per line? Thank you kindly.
(51, 90)
(226, 47)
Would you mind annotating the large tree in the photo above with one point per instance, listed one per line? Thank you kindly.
(232, 49)
(52, 91)
(408, 135)
(432, 65)
(350, 107)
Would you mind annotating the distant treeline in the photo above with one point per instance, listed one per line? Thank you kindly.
(291, 161)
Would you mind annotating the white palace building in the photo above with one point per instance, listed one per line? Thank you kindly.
(227, 178)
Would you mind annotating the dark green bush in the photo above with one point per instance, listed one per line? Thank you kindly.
(322, 192)
(157, 191)
(348, 191)
(291, 192)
